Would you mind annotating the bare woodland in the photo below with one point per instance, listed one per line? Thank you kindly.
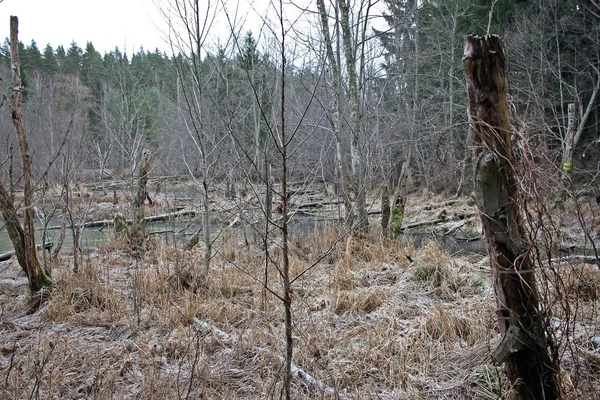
(356, 200)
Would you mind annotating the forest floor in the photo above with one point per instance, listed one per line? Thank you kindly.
(374, 319)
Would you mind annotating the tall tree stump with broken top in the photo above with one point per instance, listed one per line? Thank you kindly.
(524, 349)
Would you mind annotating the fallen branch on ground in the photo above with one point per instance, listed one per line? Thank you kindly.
(296, 371)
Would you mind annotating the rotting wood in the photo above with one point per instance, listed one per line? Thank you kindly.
(566, 166)
(137, 234)
(385, 210)
(8, 255)
(424, 223)
(153, 218)
(529, 367)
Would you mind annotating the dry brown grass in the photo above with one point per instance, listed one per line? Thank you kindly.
(367, 322)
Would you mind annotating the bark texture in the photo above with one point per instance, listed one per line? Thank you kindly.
(524, 348)
(567, 161)
(385, 210)
(22, 237)
(138, 232)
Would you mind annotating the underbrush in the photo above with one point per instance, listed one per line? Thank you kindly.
(373, 318)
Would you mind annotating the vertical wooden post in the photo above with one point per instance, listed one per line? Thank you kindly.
(524, 348)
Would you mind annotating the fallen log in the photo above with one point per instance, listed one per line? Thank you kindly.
(8, 255)
(154, 218)
(316, 204)
(423, 223)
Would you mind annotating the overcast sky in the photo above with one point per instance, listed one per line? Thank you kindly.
(131, 24)
(127, 24)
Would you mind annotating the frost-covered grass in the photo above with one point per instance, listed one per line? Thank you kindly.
(368, 323)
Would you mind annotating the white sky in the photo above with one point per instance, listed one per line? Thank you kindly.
(127, 24)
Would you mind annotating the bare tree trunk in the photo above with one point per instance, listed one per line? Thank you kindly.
(75, 229)
(385, 210)
(142, 193)
(588, 110)
(138, 231)
(23, 238)
(206, 227)
(567, 161)
(286, 279)
(399, 202)
(358, 185)
(524, 348)
(465, 171)
(336, 120)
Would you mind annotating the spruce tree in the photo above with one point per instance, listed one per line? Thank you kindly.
(49, 61)
(73, 59)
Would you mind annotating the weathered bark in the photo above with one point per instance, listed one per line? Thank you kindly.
(399, 202)
(138, 231)
(567, 161)
(142, 193)
(23, 238)
(524, 348)
(120, 222)
(385, 210)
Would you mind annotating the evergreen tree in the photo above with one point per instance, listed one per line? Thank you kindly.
(49, 61)
(5, 53)
(60, 58)
(73, 59)
(31, 58)
(92, 74)
(249, 57)
(92, 68)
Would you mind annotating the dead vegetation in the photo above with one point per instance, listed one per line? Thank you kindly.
(376, 319)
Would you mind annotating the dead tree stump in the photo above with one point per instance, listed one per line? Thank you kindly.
(524, 348)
